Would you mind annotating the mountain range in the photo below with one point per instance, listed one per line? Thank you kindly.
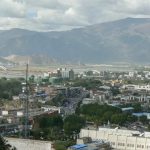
(125, 40)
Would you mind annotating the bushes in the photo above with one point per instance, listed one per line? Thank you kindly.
(10, 87)
(100, 114)
(88, 83)
(54, 128)
(73, 124)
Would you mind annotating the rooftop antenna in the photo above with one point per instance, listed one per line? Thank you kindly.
(26, 105)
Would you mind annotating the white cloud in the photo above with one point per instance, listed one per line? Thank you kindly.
(11, 8)
(65, 14)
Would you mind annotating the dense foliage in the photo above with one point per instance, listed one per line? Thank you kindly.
(63, 145)
(101, 114)
(59, 100)
(9, 87)
(48, 127)
(87, 83)
(73, 124)
(137, 106)
(52, 127)
(4, 145)
(47, 121)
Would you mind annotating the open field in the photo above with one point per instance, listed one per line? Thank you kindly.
(19, 71)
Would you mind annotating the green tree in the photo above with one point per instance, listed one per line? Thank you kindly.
(31, 78)
(10, 87)
(47, 121)
(73, 124)
(119, 118)
(143, 119)
(48, 127)
(88, 83)
(131, 118)
(137, 107)
(149, 127)
(63, 145)
(59, 100)
(4, 145)
(107, 116)
(98, 113)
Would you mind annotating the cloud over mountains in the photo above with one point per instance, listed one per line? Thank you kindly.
(46, 15)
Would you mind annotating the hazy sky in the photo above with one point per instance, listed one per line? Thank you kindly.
(66, 14)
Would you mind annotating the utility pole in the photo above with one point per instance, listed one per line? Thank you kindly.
(26, 129)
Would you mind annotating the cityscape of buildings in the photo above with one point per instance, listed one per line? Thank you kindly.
(116, 89)
(74, 75)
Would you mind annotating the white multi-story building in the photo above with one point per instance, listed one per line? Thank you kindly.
(140, 98)
(88, 101)
(120, 139)
(4, 113)
(136, 87)
(147, 75)
(131, 74)
(51, 109)
(65, 73)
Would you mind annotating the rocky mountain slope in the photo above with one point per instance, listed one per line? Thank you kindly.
(122, 40)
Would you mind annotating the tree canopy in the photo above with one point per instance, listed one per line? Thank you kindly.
(101, 114)
(48, 127)
(4, 145)
(9, 87)
(47, 121)
(88, 83)
(73, 124)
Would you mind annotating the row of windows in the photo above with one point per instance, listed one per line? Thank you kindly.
(121, 144)
(140, 146)
(148, 147)
(130, 145)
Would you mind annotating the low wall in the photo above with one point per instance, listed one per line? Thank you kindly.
(25, 144)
